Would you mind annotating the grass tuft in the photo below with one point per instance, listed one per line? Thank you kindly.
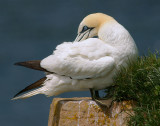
(141, 83)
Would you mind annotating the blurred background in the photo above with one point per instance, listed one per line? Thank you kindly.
(31, 29)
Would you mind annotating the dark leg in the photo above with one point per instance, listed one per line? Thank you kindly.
(92, 93)
(95, 95)
(98, 96)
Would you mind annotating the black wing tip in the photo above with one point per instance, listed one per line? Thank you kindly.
(18, 63)
(21, 91)
(34, 64)
(15, 96)
(35, 85)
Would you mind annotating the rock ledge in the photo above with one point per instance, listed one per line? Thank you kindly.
(85, 112)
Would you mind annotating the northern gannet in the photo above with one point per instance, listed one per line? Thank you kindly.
(87, 63)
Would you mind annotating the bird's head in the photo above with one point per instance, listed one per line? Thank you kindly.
(91, 24)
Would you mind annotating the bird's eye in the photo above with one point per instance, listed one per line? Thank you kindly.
(85, 28)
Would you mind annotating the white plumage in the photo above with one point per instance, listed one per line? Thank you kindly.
(88, 62)
(80, 60)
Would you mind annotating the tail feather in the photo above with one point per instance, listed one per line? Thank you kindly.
(35, 64)
(29, 94)
(35, 85)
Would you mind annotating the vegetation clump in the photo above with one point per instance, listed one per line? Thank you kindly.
(141, 83)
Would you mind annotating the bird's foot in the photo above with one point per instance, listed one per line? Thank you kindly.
(100, 103)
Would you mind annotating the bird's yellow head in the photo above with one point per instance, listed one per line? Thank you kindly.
(91, 24)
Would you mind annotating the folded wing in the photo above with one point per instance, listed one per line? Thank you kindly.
(81, 60)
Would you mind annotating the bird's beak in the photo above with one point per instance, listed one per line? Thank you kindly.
(77, 38)
(82, 36)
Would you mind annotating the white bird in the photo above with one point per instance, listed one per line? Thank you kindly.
(87, 63)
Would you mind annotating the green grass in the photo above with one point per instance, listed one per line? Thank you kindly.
(141, 83)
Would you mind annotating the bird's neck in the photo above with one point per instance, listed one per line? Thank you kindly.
(114, 34)
(118, 37)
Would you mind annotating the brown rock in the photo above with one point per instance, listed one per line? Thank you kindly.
(85, 112)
